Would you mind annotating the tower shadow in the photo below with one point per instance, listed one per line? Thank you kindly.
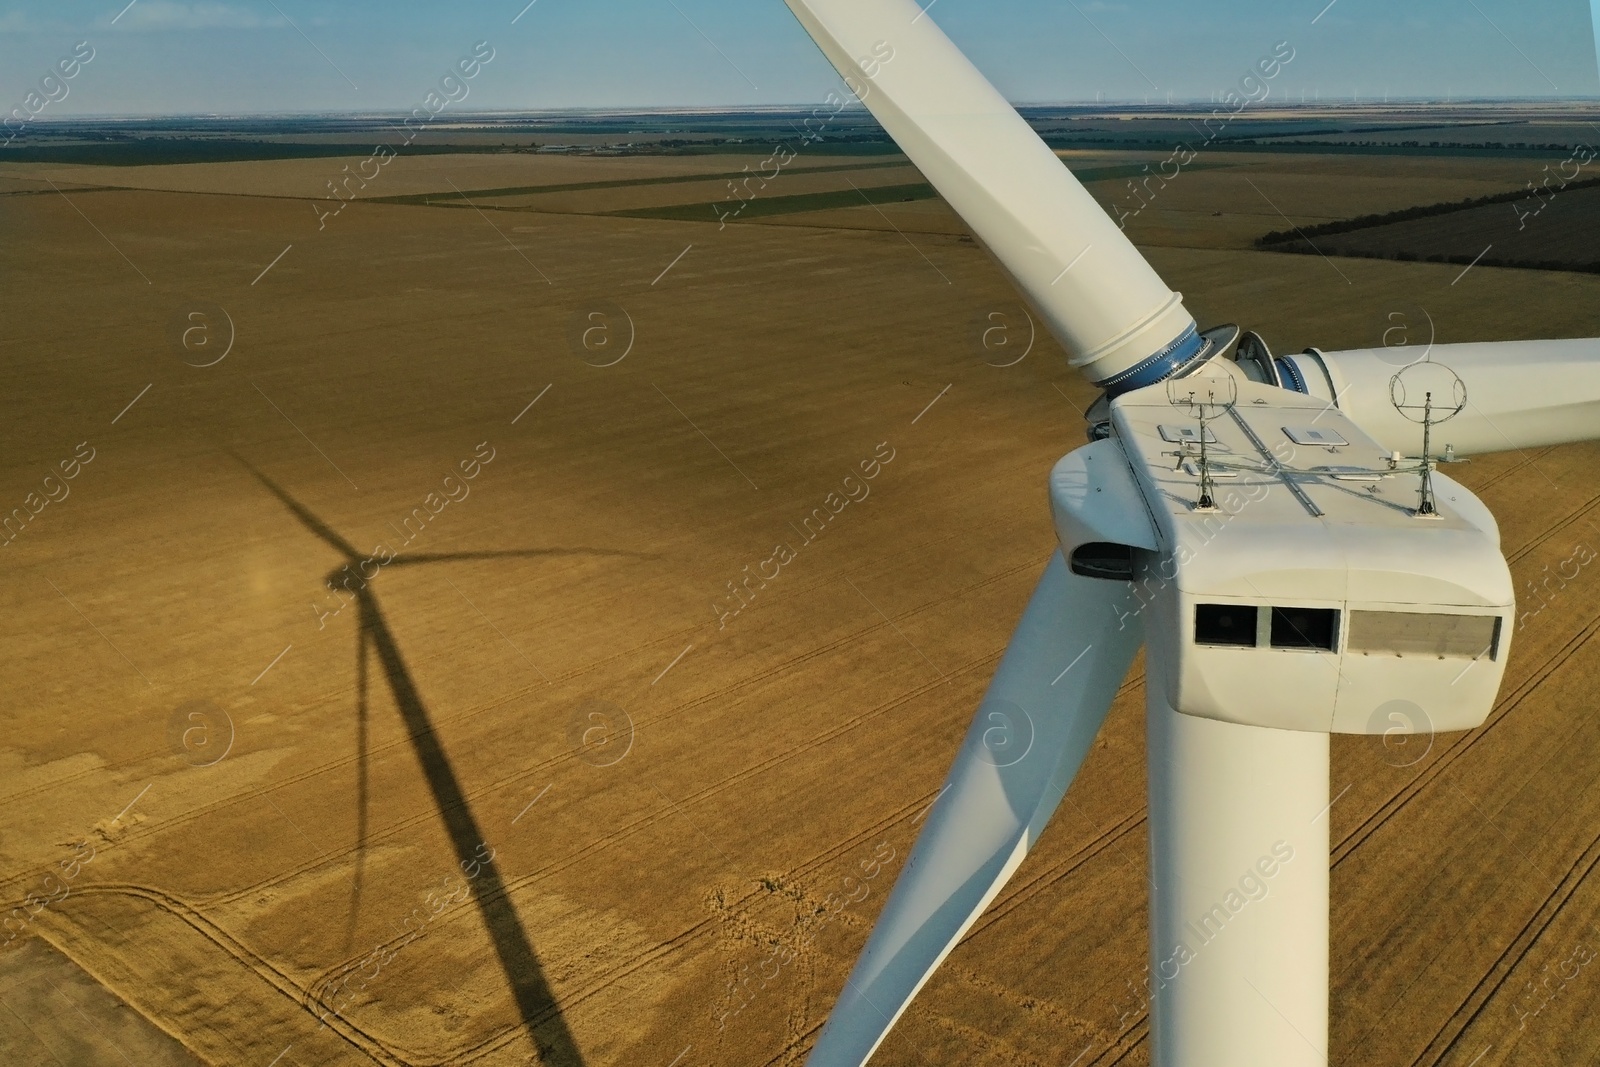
(535, 1001)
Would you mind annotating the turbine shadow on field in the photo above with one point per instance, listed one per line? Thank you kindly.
(535, 1001)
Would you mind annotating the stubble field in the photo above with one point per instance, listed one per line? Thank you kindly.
(545, 779)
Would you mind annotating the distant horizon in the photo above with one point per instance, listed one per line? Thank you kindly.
(158, 58)
(1581, 103)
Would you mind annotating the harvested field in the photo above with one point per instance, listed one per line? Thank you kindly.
(542, 786)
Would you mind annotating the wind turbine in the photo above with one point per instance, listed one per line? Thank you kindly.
(1255, 521)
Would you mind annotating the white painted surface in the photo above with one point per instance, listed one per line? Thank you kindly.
(1100, 298)
(1094, 497)
(1238, 934)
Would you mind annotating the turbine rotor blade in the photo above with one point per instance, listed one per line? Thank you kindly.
(1048, 699)
(1519, 394)
(1118, 320)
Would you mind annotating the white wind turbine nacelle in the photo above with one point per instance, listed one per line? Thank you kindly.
(1292, 577)
(1120, 324)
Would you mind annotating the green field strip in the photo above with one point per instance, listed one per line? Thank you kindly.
(75, 189)
(434, 199)
(767, 206)
(761, 206)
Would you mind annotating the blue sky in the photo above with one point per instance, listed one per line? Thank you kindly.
(235, 56)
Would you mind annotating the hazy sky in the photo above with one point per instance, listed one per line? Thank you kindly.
(231, 56)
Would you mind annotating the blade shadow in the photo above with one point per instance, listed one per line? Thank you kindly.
(322, 530)
(509, 553)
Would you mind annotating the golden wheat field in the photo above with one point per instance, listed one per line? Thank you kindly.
(383, 685)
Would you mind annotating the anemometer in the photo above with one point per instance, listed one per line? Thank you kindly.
(1427, 393)
(1207, 399)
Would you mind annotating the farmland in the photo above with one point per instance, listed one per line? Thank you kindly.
(521, 786)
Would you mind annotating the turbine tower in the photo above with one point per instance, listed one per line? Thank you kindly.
(1255, 521)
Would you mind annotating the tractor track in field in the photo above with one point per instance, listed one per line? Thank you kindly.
(217, 934)
(511, 885)
(1524, 461)
(377, 1049)
(1511, 956)
(257, 965)
(1533, 915)
(1129, 1049)
(390, 1053)
(536, 770)
(1121, 1049)
(387, 1053)
(1578, 514)
(1507, 704)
